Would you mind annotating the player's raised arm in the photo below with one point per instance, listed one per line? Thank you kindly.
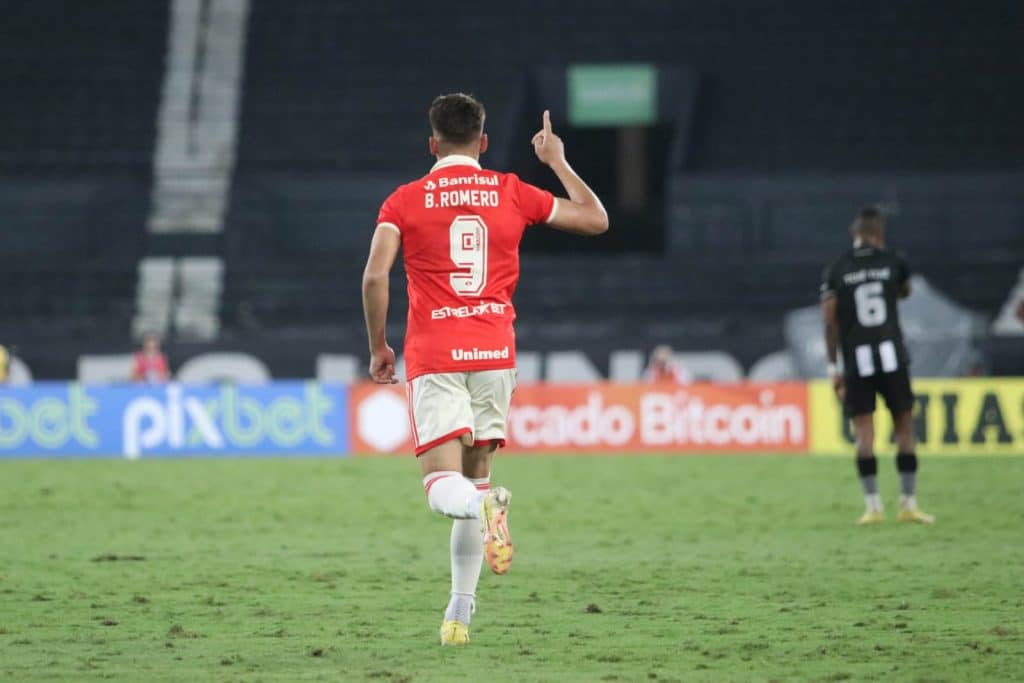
(582, 213)
(376, 282)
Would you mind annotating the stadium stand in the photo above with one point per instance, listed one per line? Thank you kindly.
(320, 75)
(76, 146)
(326, 133)
(785, 146)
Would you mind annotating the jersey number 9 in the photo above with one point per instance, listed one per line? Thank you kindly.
(468, 238)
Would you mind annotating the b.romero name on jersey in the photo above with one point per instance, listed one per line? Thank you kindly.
(438, 197)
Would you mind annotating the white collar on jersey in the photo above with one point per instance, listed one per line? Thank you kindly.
(455, 160)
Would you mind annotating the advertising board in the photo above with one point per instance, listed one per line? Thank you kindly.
(56, 419)
(605, 417)
(968, 416)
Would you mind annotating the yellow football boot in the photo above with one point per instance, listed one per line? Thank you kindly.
(497, 539)
(915, 515)
(871, 517)
(454, 633)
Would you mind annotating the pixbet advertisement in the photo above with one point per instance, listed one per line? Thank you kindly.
(701, 418)
(73, 420)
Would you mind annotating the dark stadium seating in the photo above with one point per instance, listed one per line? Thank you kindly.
(334, 117)
(964, 232)
(742, 252)
(77, 130)
(799, 85)
(69, 254)
(81, 84)
(805, 111)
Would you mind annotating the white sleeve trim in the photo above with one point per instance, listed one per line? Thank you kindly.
(554, 210)
(391, 226)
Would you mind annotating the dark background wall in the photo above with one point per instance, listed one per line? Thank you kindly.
(802, 111)
(787, 84)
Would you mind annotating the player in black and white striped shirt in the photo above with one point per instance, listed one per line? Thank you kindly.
(860, 292)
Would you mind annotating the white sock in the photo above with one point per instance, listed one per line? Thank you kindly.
(908, 502)
(873, 502)
(452, 495)
(467, 552)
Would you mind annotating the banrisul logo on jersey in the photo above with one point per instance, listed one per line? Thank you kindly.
(951, 416)
(69, 420)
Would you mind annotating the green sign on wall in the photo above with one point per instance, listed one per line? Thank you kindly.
(613, 94)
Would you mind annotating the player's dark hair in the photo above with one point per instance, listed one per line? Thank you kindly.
(457, 118)
(869, 219)
(871, 213)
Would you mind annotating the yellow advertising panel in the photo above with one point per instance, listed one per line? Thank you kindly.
(975, 416)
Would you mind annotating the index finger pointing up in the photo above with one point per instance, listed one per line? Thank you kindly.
(547, 121)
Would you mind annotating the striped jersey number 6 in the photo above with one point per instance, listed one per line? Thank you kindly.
(468, 237)
(870, 304)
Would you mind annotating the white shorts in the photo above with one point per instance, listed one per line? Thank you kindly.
(449, 405)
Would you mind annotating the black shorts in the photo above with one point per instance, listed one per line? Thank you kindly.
(893, 386)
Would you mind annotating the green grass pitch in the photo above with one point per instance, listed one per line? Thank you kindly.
(627, 569)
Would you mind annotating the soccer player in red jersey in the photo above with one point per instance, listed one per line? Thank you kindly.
(459, 229)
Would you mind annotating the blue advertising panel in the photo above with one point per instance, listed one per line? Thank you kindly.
(56, 419)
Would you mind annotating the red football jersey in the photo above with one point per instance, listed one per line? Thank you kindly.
(149, 368)
(460, 227)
